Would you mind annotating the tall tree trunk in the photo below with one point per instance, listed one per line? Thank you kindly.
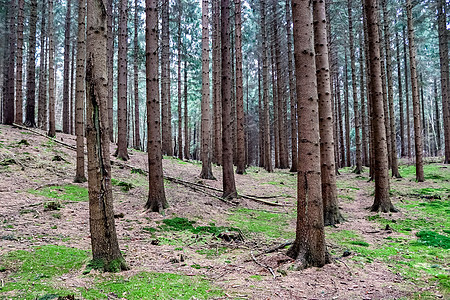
(400, 100)
(137, 135)
(217, 100)
(206, 114)
(51, 73)
(180, 122)
(445, 84)
(276, 131)
(365, 152)
(80, 91)
(331, 212)
(72, 88)
(294, 155)
(105, 247)
(42, 94)
(186, 119)
(166, 114)
(381, 171)
(66, 78)
(8, 99)
(393, 132)
(408, 119)
(415, 93)
(156, 196)
(267, 148)
(229, 185)
(438, 120)
(358, 168)
(30, 120)
(341, 126)
(387, 120)
(240, 147)
(309, 246)
(348, 162)
(110, 66)
(19, 64)
(422, 111)
(261, 115)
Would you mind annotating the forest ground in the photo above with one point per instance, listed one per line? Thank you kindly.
(45, 242)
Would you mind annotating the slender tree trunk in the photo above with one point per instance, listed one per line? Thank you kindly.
(30, 119)
(105, 247)
(400, 100)
(206, 115)
(408, 118)
(365, 152)
(276, 131)
(309, 246)
(51, 73)
(217, 82)
(294, 155)
(8, 99)
(42, 94)
(72, 88)
(415, 92)
(186, 119)
(358, 168)
(387, 120)
(180, 122)
(422, 111)
(340, 116)
(438, 117)
(80, 91)
(348, 162)
(137, 135)
(19, 64)
(167, 146)
(240, 147)
(331, 212)
(261, 116)
(66, 83)
(229, 185)
(110, 66)
(156, 196)
(381, 171)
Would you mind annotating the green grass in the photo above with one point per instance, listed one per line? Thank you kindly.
(183, 224)
(431, 172)
(272, 225)
(213, 252)
(431, 238)
(34, 271)
(347, 237)
(67, 192)
(124, 186)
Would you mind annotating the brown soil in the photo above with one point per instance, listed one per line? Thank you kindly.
(342, 279)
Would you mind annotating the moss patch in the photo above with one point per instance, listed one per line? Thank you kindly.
(67, 192)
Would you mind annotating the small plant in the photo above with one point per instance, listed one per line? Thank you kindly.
(125, 186)
(137, 171)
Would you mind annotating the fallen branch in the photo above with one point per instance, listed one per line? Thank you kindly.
(276, 248)
(46, 136)
(264, 266)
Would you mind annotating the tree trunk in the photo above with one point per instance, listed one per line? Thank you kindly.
(42, 94)
(276, 131)
(229, 185)
(365, 152)
(341, 126)
(30, 120)
(408, 119)
(387, 120)
(206, 121)
(8, 99)
(217, 101)
(166, 114)
(358, 168)
(381, 171)
(156, 196)
(66, 78)
(415, 93)
(186, 119)
(309, 246)
(240, 147)
(180, 122)
(348, 162)
(105, 247)
(400, 100)
(51, 73)
(331, 212)
(294, 155)
(438, 120)
(110, 66)
(80, 91)
(72, 88)
(19, 64)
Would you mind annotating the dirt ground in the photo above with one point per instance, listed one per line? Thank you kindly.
(234, 273)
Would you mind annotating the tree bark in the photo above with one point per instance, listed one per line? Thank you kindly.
(408, 119)
(30, 120)
(240, 147)
(180, 122)
(110, 66)
(66, 71)
(365, 152)
(51, 73)
(186, 118)
(381, 171)
(156, 201)
(348, 162)
(331, 212)
(309, 246)
(137, 129)
(8, 90)
(229, 185)
(415, 93)
(400, 100)
(18, 119)
(166, 114)
(42, 94)
(438, 146)
(217, 101)
(105, 247)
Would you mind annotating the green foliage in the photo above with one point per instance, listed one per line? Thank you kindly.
(272, 225)
(213, 252)
(182, 224)
(124, 186)
(431, 172)
(67, 192)
(347, 237)
(431, 238)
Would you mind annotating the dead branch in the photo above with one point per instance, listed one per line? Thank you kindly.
(46, 136)
(264, 266)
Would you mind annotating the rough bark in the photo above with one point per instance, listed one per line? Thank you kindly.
(137, 129)
(180, 122)
(18, 119)
(110, 66)
(217, 100)
(51, 73)
(42, 94)
(66, 71)
(400, 100)
(438, 145)
(387, 120)
(408, 119)
(275, 105)
(382, 201)
(415, 95)
(156, 196)
(8, 89)
(186, 118)
(331, 212)
(341, 126)
(309, 246)
(365, 152)
(229, 185)
(166, 113)
(105, 247)
(240, 147)
(30, 120)
(348, 162)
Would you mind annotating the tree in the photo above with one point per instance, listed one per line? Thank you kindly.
(137, 137)
(51, 73)
(400, 100)
(19, 64)
(240, 163)
(156, 196)
(408, 123)
(382, 201)
(206, 122)
(122, 73)
(66, 86)
(229, 186)
(30, 120)
(331, 212)
(348, 162)
(186, 119)
(105, 247)
(110, 66)
(415, 93)
(42, 94)
(166, 113)
(445, 84)
(8, 92)
(217, 83)
(80, 91)
(309, 246)
(180, 135)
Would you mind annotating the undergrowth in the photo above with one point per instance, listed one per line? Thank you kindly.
(67, 192)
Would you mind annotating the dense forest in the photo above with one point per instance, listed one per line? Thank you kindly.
(194, 149)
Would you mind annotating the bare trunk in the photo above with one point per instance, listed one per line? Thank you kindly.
(51, 73)
(137, 129)
(66, 71)
(240, 147)
(166, 113)
(19, 64)
(42, 94)
(186, 119)
(110, 66)
(8, 99)
(180, 122)
(30, 119)
(408, 118)
(400, 101)
(348, 162)
(217, 82)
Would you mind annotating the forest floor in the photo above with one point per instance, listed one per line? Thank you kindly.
(45, 242)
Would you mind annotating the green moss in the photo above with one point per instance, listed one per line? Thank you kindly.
(213, 253)
(431, 172)
(124, 186)
(147, 285)
(256, 277)
(67, 192)
(183, 224)
(431, 238)
(347, 237)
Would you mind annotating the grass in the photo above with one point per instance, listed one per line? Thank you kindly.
(183, 224)
(431, 172)
(347, 237)
(272, 225)
(69, 192)
(124, 186)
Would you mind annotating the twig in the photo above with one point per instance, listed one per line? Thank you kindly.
(349, 270)
(264, 266)
(273, 249)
